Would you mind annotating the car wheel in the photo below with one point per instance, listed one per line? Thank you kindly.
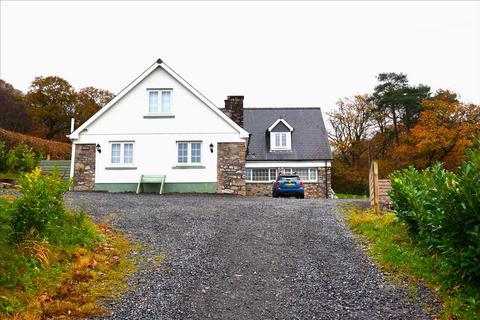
(274, 194)
(302, 196)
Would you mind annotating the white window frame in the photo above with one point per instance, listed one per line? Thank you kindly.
(189, 154)
(159, 101)
(122, 162)
(272, 175)
(312, 173)
(288, 140)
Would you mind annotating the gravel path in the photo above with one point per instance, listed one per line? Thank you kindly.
(247, 258)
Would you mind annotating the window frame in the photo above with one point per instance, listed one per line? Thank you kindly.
(159, 101)
(272, 175)
(189, 153)
(273, 140)
(122, 162)
(311, 171)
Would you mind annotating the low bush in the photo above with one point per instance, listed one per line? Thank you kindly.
(55, 263)
(442, 210)
(39, 210)
(35, 222)
(21, 158)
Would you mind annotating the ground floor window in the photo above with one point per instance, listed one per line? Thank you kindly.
(261, 174)
(121, 152)
(306, 174)
(189, 152)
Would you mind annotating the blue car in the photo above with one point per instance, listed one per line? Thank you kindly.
(288, 185)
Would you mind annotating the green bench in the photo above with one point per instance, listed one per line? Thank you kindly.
(148, 178)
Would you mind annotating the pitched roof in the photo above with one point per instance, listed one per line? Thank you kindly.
(157, 64)
(309, 138)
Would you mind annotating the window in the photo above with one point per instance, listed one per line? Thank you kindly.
(182, 152)
(261, 174)
(122, 153)
(196, 155)
(306, 174)
(189, 152)
(159, 101)
(116, 152)
(280, 140)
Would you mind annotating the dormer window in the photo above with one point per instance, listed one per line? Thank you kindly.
(159, 102)
(280, 135)
(280, 140)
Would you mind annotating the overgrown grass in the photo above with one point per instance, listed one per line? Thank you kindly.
(55, 263)
(396, 252)
(350, 196)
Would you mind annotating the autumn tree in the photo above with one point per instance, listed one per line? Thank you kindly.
(352, 123)
(398, 102)
(445, 128)
(52, 102)
(13, 109)
(89, 101)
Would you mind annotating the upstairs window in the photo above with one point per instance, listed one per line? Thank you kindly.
(280, 141)
(280, 135)
(159, 101)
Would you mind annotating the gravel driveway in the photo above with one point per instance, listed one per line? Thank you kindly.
(247, 258)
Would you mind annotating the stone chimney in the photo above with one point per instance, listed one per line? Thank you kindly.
(234, 109)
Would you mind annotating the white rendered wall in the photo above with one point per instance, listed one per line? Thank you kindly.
(155, 138)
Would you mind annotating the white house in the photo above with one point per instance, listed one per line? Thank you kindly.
(160, 125)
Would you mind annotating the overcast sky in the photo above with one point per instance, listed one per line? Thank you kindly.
(274, 53)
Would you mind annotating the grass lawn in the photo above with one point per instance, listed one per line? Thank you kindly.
(395, 252)
(350, 196)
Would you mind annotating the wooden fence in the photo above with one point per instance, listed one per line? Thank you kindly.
(63, 166)
(379, 198)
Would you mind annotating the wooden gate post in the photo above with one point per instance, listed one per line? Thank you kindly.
(373, 186)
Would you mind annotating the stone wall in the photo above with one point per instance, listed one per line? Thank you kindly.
(231, 168)
(259, 189)
(84, 170)
(325, 180)
(312, 190)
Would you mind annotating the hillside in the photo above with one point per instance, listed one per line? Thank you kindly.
(56, 150)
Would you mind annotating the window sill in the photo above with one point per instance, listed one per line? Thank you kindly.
(159, 115)
(285, 149)
(188, 167)
(120, 168)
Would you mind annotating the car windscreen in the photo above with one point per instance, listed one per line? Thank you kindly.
(286, 178)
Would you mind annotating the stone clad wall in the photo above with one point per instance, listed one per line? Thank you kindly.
(231, 168)
(84, 170)
(325, 173)
(312, 190)
(259, 189)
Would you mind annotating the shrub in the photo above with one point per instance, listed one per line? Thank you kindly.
(40, 206)
(442, 210)
(3, 157)
(21, 158)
